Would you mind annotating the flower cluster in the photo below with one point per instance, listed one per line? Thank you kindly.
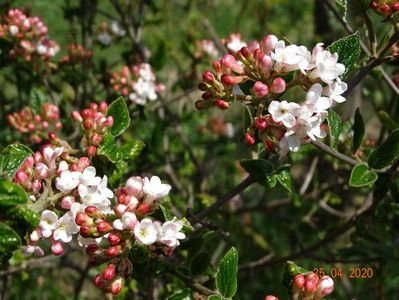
(28, 36)
(94, 123)
(37, 126)
(76, 54)
(385, 7)
(138, 83)
(266, 66)
(108, 32)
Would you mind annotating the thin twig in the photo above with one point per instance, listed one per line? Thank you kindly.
(335, 153)
(194, 285)
(309, 176)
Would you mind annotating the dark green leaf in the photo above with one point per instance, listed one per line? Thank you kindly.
(184, 294)
(37, 99)
(109, 149)
(9, 239)
(118, 109)
(12, 157)
(226, 277)
(284, 178)
(215, 297)
(271, 181)
(118, 172)
(260, 169)
(387, 121)
(362, 176)
(199, 263)
(24, 214)
(132, 149)
(335, 125)
(387, 153)
(165, 208)
(11, 194)
(348, 49)
(139, 253)
(358, 131)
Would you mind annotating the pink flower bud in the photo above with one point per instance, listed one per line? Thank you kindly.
(57, 248)
(230, 62)
(113, 251)
(247, 53)
(104, 227)
(45, 124)
(86, 231)
(119, 209)
(91, 249)
(114, 238)
(269, 145)
(278, 86)
(230, 80)
(31, 127)
(249, 139)
(93, 211)
(268, 43)
(92, 151)
(103, 106)
(52, 136)
(221, 104)
(86, 113)
(125, 72)
(82, 219)
(271, 297)
(265, 65)
(260, 89)
(96, 139)
(98, 281)
(395, 7)
(36, 186)
(134, 186)
(261, 123)
(385, 9)
(299, 281)
(216, 65)
(38, 157)
(21, 177)
(93, 106)
(109, 272)
(88, 124)
(143, 209)
(29, 162)
(199, 104)
(67, 202)
(208, 77)
(325, 287)
(116, 286)
(83, 163)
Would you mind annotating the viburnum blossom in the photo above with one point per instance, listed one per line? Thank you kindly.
(146, 232)
(265, 65)
(170, 233)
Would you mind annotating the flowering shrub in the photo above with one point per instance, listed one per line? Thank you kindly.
(120, 177)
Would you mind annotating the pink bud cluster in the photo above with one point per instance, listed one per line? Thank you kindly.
(311, 287)
(37, 126)
(76, 54)
(28, 36)
(385, 7)
(38, 168)
(94, 123)
(138, 83)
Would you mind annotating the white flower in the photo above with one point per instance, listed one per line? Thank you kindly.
(235, 43)
(41, 49)
(315, 101)
(104, 38)
(144, 90)
(313, 128)
(13, 30)
(291, 141)
(335, 90)
(50, 155)
(30, 249)
(327, 67)
(284, 112)
(154, 188)
(67, 181)
(146, 232)
(134, 185)
(103, 190)
(291, 57)
(88, 182)
(48, 222)
(117, 29)
(170, 233)
(66, 227)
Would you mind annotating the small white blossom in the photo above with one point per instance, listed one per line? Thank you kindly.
(335, 90)
(235, 43)
(291, 57)
(13, 30)
(284, 112)
(48, 222)
(67, 181)
(146, 232)
(327, 67)
(170, 233)
(315, 101)
(66, 227)
(88, 182)
(50, 155)
(154, 188)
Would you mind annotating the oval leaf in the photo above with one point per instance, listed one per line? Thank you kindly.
(132, 149)
(215, 297)
(9, 239)
(226, 277)
(284, 178)
(258, 168)
(387, 153)
(118, 109)
(24, 214)
(335, 125)
(358, 131)
(12, 157)
(37, 99)
(109, 149)
(11, 194)
(387, 121)
(362, 176)
(199, 263)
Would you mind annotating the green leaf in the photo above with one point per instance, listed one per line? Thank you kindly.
(166, 211)
(132, 149)
(24, 214)
(341, 3)
(362, 176)
(120, 169)
(37, 99)
(358, 131)
(109, 149)
(226, 277)
(291, 270)
(118, 109)
(184, 294)
(271, 181)
(199, 263)
(284, 178)
(215, 297)
(348, 49)
(11, 194)
(12, 157)
(387, 121)
(260, 169)
(139, 253)
(335, 125)
(387, 153)
(9, 239)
